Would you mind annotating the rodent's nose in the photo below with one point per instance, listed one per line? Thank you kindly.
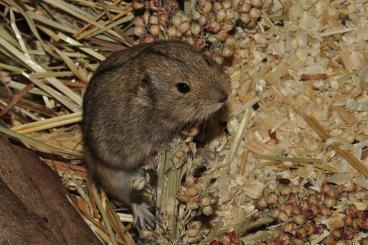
(222, 96)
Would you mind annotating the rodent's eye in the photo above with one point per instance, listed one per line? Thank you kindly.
(183, 88)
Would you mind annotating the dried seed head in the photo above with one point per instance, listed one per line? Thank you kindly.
(256, 3)
(184, 27)
(194, 229)
(349, 220)
(364, 241)
(311, 212)
(237, 3)
(145, 17)
(196, 15)
(163, 17)
(299, 219)
(153, 20)
(214, 200)
(192, 206)
(285, 190)
(148, 39)
(348, 233)
(219, 59)
(146, 235)
(295, 189)
(206, 201)
(190, 180)
(287, 209)
(182, 195)
(217, 6)
(351, 210)
(312, 199)
(236, 15)
(282, 217)
(284, 238)
(310, 228)
(138, 21)
(261, 203)
(329, 202)
(221, 15)
(213, 27)
(330, 240)
(154, 4)
(139, 31)
(230, 14)
(230, 42)
(138, 183)
(245, 18)
(176, 20)
(192, 191)
(227, 4)
(351, 186)
(272, 199)
(325, 188)
(275, 213)
(202, 21)
(222, 35)
(206, 7)
(195, 29)
(228, 25)
(137, 4)
(207, 210)
(296, 209)
(255, 13)
(325, 212)
(301, 233)
(337, 233)
(212, 39)
(245, 8)
(343, 242)
(288, 227)
(267, 191)
(185, 18)
(252, 24)
(318, 229)
(228, 52)
(154, 30)
(172, 32)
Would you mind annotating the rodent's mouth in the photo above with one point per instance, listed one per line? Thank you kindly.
(215, 108)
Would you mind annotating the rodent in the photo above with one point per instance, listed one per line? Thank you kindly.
(139, 98)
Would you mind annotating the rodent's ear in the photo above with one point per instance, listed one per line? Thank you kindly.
(146, 91)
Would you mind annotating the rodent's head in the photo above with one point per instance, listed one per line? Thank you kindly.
(182, 84)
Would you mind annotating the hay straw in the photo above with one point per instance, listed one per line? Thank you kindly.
(237, 138)
(16, 98)
(103, 215)
(57, 84)
(49, 123)
(40, 146)
(348, 156)
(287, 159)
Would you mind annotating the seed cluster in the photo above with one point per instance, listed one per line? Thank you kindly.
(300, 211)
(198, 202)
(218, 26)
(230, 238)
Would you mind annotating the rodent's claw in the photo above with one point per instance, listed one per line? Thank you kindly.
(142, 215)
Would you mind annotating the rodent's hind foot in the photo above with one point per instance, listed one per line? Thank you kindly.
(142, 215)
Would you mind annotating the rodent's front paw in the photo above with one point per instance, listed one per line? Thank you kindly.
(142, 215)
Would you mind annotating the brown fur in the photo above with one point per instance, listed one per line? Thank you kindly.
(132, 106)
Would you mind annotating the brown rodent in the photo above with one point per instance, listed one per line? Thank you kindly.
(138, 99)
